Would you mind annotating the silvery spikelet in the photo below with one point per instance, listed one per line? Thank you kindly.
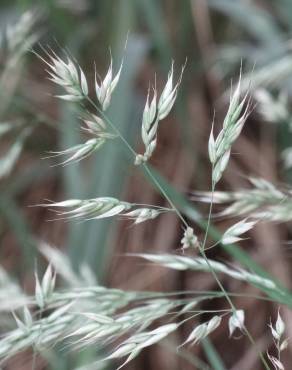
(279, 328)
(262, 202)
(95, 208)
(149, 129)
(143, 214)
(69, 75)
(104, 207)
(280, 343)
(189, 239)
(202, 331)
(27, 322)
(231, 235)
(236, 320)
(154, 112)
(79, 152)
(133, 346)
(183, 263)
(220, 149)
(96, 126)
(105, 87)
(45, 288)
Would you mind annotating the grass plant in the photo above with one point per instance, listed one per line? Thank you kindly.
(70, 311)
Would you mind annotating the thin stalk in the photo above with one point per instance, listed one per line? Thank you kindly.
(113, 127)
(34, 355)
(147, 169)
(202, 251)
(210, 213)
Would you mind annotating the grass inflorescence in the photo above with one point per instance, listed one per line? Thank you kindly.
(83, 314)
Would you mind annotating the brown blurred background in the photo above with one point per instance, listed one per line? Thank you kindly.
(215, 37)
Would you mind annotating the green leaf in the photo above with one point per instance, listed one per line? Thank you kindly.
(212, 355)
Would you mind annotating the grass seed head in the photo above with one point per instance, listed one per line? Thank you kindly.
(231, 235)
(219, 149)
(155, 112)
(67, 74)
(189, 240)
(236, 321)
(79, 152)
(106, 87)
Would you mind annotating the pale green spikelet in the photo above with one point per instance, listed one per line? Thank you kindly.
(106, 87)
(220, 149)
(154, 112)
(67, 74)
(104, 207)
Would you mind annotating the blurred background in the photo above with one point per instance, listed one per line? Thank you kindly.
(215, 37)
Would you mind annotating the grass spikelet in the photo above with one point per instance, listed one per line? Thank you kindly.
(263, 202)
(97, 127)
(78, 152)
(91, 208)
(231, 235)
(202, 331)
(44, 290)
(104, 207)
(106, 87)
(189, 240)
(155, 112)
(280, 343)
(143, 214)
(219, 149)
(67, 74)
(236, 321)
(199, 264)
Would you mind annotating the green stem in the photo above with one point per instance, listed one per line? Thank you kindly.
(209, 215)
(202, 251)
(147, 169)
